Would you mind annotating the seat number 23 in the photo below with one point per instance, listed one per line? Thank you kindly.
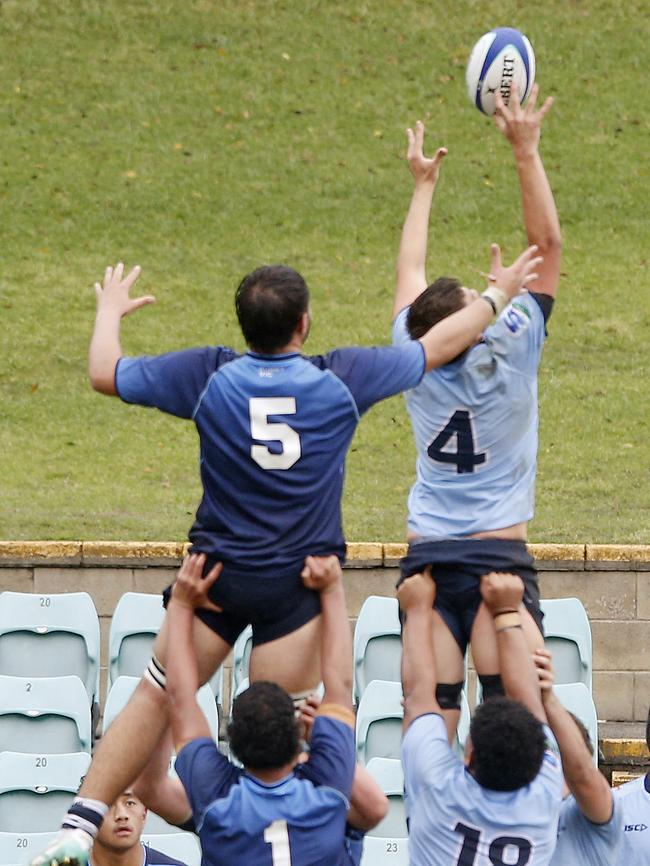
(273, 431)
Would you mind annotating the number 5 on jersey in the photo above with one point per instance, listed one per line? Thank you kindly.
(273, 431)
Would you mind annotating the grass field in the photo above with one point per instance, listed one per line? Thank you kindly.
(200, 139)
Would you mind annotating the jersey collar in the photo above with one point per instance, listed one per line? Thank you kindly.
(283, 357)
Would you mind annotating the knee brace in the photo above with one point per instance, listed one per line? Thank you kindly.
(448, 695)
(156, 674)
(491, 685)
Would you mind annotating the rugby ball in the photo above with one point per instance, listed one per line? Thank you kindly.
(499, 57)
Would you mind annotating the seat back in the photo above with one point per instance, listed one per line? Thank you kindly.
(379, 721)
(567, 634)
(45, 714)
(241, 656)
(387, 842)
(377, 643)
(20, 848)
(36, 790)
(575, 698)
(134, 626)
(50, 635)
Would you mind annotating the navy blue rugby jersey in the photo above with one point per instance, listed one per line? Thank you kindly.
(157, 858)
(274, 432)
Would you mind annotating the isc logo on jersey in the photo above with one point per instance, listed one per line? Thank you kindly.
(635, 828)
(517, 318)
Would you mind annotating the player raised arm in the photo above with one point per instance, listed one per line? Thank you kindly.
(586, 782)
(411, 260)
(190, 591)
(113, 302)
(416, 595)
(503, 595)
(522, 127)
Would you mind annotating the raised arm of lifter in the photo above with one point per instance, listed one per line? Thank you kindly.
(416, 595)
(411, 260)
(522, 128)
(113, 302)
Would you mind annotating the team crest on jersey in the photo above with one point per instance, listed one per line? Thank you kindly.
(517, 317)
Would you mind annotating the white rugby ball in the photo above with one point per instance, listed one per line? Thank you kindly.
(499, 57)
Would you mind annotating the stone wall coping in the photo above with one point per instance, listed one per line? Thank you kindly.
(359, 553)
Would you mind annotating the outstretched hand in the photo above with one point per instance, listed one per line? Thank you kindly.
(521, 125)
(523, 271)
(113, 293)
(418, 590)
(191, 588)
(424, 169)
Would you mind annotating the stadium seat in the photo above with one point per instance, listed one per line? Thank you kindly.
(134, 626)
(377, 643)
(20, 848)
(387, 842)
(50, 635)
(241, 656)
(567, 634)
(575, 698)
(462, 729)
(36, 789)
(379, 721)
(181, 846)
(123, 688)
(48, 713)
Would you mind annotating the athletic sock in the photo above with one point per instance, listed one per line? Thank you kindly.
(86, 815)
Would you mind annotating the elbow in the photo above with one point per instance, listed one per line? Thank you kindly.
(102, 381)
(550, 243)
(375, 808)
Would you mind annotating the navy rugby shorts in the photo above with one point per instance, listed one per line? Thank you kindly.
(457, 566)
(274, 606)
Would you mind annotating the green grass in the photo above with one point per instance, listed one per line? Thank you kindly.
(200, 139)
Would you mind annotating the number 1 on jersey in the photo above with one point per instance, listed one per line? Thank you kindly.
(273, 431)
(277, 835)
(465, 458)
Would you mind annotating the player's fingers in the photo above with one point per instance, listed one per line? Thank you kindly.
(98, 290)
(119, 270)
(213, 575)
(210, 605)
(108, 274)
(499, 122)
(441, 153)
(501, 109)
(532, 99)
(514, 103)
(136, 303)
(131, 277)
(419, 135)
(546, 107)
(495, 258)
(410, 139)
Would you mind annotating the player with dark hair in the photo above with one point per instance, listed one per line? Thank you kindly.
(118, 842)
(633, 800)
(501, 805)
(276, 810)
(475, 419)
(589, 829)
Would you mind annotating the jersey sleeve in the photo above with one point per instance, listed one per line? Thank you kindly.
(172, 382)
(332, 757)
(205, 773)
(400, 331)
(372, 374)
(519, 333)
(426, 753)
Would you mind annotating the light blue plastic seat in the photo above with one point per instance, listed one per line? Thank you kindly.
(387, 843)
(377, 643)
(123, 688)
(379, 721)
(181, 846)
(36, 789)
(575, 698)
(50, 635)
(44, 714)
(241, 656)
(20, 848)
(567, 634)
(462, 729)
(135, 624)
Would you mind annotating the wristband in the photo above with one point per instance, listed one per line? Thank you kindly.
(508, 619)
(496, 298)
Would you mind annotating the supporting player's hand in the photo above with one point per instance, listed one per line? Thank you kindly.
(423, 169)
(502, 592)
(322, 573)
(545, 672)
(113, 293)
(191, 588)
(307, 714)
(519, 275)
(418, 590)
(521, 125)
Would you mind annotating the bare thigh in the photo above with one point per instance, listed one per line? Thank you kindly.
(450, 666)
(484, 639)
(211, 649)
(292, 661)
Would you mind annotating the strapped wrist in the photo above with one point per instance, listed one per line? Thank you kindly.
(496, 298)
(507, 619)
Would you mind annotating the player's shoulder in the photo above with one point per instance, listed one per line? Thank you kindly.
(153, 857)
(634, 788)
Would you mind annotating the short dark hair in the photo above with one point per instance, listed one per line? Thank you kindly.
(269, 303)
(263, 730)
(436, 302)
(509, 745)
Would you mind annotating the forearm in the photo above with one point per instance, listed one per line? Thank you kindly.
(518, 672)
(540, 218)
(368, 803)
(182, 670)
(448, 338)
(419, 679)
(411, 260)
(336, 648)
(105, 351)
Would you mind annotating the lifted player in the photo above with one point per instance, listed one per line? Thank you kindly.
(475, 419)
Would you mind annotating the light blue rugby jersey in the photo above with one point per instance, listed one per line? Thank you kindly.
(476, 423)
(580, 842)
(453, 821)
(633, 799)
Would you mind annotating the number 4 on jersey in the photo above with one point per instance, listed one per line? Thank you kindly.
(464, 457)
